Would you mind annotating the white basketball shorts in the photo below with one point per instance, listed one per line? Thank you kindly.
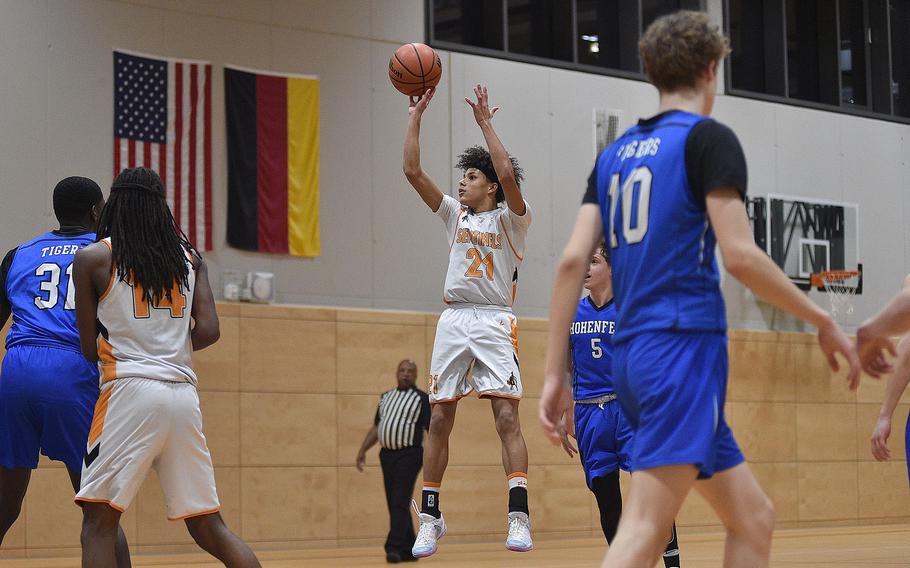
(479, 336)
(140, 424)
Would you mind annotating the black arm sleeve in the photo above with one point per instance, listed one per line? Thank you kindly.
(591, 192)
(714, 159)
(4, 270)
(424, 411)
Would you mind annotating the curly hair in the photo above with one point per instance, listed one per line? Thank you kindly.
(678, 47)
(478, 157)
(604, 251)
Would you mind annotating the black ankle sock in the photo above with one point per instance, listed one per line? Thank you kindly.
(430, 503)
(671, 554)
(518, 500)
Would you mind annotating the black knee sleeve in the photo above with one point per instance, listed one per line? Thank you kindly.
(609, 502)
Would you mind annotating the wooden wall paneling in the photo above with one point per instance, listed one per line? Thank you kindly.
(284, 355)
(289, 503)
(288, 429)
(825, 432)
(369, 353)
(828, 491)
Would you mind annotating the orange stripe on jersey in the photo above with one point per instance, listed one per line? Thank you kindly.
(100, 413)
(455, 234)
(513, 333)
(110, 280)
(108, 361)
(508, 238)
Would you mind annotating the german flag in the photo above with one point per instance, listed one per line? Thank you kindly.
(273, 162)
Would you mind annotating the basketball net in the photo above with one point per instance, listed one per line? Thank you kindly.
(840, 286)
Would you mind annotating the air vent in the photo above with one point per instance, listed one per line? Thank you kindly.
(606, 128)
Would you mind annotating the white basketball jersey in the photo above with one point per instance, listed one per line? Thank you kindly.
(141, 338)
(485, 252)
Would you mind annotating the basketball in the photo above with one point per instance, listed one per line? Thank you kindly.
(414, 68)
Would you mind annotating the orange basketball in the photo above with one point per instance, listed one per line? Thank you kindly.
(414, 68)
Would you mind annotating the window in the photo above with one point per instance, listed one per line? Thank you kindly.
(476, 23)
(833, 54)
(811, 50)
(605, 36)
(541, 28)
(753, 28)
(852, 53)
(588, 35)
(900, 56)
(653, 9)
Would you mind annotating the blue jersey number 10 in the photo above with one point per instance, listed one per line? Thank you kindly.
(641, 176)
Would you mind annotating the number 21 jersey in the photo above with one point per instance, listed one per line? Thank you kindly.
(485, 252)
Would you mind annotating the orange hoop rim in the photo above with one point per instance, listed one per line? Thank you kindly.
(818, 279)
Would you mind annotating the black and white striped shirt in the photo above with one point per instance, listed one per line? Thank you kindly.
(402, 417)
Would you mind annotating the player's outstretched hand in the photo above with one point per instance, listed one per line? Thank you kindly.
(554, 402)
(872, 348)
(832, 340)
(417, 105)
(482, 111)
(880, 437)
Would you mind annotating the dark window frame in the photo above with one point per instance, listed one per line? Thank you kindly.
(505, 54)
(729, 90)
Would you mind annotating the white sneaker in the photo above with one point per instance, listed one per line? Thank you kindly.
(519, 539)
(431, 530)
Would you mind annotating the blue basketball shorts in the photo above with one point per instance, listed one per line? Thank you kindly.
(672, 387)
(47, 398)
(603, 437)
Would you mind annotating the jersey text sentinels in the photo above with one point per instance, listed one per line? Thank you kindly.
(487, 249)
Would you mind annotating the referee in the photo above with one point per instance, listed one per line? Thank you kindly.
(402, 417)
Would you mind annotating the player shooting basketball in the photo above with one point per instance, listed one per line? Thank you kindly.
(478, 329)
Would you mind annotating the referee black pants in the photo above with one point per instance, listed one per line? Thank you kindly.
(399, 471)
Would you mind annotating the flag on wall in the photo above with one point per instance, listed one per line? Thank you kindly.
(163, 121)
(273, 162)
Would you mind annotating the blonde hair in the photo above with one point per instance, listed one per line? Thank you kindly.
(678, 47)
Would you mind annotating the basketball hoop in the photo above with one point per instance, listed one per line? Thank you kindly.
(841, 286)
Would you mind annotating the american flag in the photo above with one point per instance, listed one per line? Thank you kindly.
(163, 121)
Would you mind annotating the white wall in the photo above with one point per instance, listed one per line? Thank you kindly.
(381, 247)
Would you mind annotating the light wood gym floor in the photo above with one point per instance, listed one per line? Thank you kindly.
(853, 547)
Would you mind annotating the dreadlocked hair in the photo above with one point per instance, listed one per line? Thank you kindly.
(478, 157)
(148, 248)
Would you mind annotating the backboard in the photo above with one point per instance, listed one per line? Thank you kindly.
(806, 235)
